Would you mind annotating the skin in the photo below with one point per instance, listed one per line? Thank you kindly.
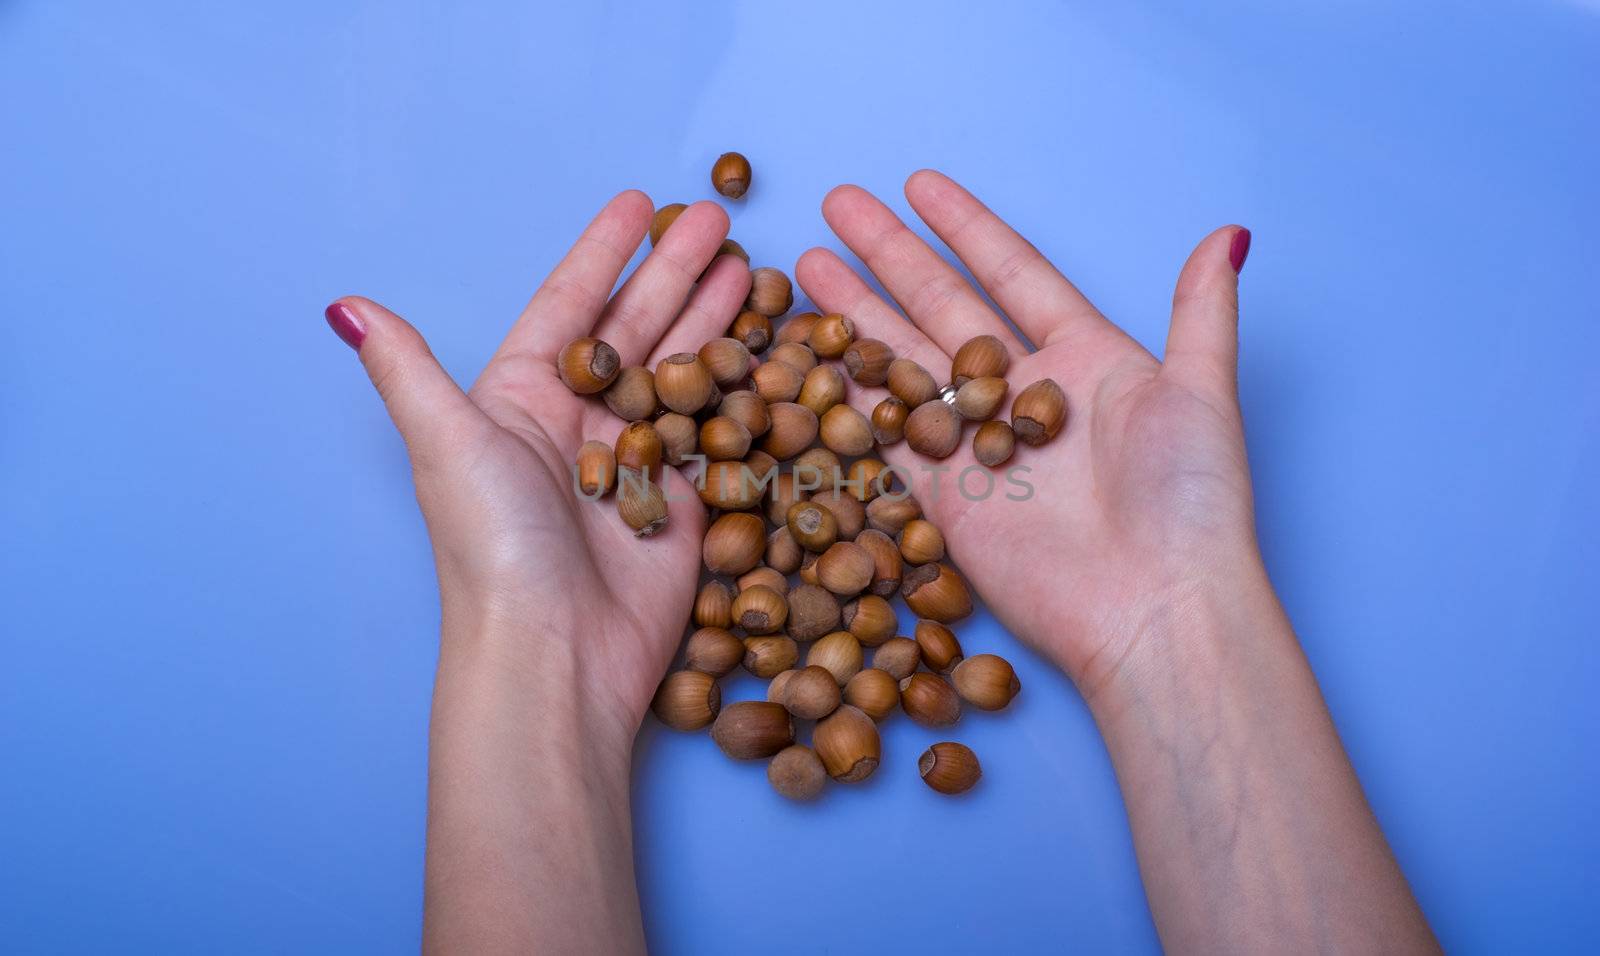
(1251, 829)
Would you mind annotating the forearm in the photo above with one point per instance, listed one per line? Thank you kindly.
(1251, 828)
(529, 840)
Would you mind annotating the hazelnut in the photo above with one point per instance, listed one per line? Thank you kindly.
(816, 468)
(587, 366)
(929, 701)
(713, 606)
(683, 383)
(687, 700)
(823, 389)
(765, 577)
(847, 742)
(898, 657)
(596, 469)
(850, 513)
(730, 486)
(911, 383)
(870, 618)
(794, 428)
(748, 409)
(808, 569)
(797, 329)
(986, 681)
(837, 652)
(921, 542)
(982, 356)
(846, 431)
(873, 692)
(734, 544)
(940, 649)
(781, 495)
(731, 248)
(933, 429)
(889, 421)
(845, 568)
(728, 361)
(730, 175)
(886, 562)
(949, 767)
(631, 396)
(752, 328)
(783, 552)
(679, 435)
(890, 514)
(777, 381)
(813, 612)
(980, 398)
(831, 336)
(768, 655)
(812, 526)
(724, 439)
(796, 355)
(780, 683)
(714, 651)
(760, 610)
(867, 479)
(664, 218)
(640, 503)
(797, 773)
(936, 592)
(993, 444)
(867, 361)
(639, 449)
(812, 693)
(1038, 412)
(752, 728)
(770, 292)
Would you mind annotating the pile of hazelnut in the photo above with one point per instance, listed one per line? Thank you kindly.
(794, 489)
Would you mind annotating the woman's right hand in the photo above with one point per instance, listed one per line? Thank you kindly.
(1141, 501)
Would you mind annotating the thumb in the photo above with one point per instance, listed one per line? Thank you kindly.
(423, 400)
(1203, 341)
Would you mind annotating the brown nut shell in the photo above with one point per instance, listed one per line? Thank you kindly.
(845, 568)
(986, 681)
(993, 444)
(780, 495)
(779, 683)
(794, 428)
(753, 729)
(796, 355)
(982, 356)
(596, 469)
(639, 448)
(936, 592)
(822, 390)
(921, 542)
(839, 653)
(588, 365)
(640, 503)
(748, 409)
(752, 328)
(687, 700)
(980, 398)
(713, 650)
(889, 513)
(933, 429)
(797, 773)
(797, 329)
(847, 742)
(812, 693)
(631, 396)
(850, 513)
(683, 383)
(1038, 412)
(886, 562)
(889, 421)
(846, 431)
(831, 336)
(680, 437)
(730, 175)
(760, 610)
(727, 359)
(724, 439)
(765, 577)
(770, 292)
(812, 526)
(898, 657)
(940, 649)
(813, 612)
(734, 544)
(929, 701)
(663, 220)
(783, 551)
(911, 383)
(874, 692)
(768, 655)
(713, 606)
(949, 767)
(870, 618)
(730, 485)
(867, 361)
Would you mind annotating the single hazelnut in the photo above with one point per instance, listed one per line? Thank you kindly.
(752, 729)
(867, 361)
(730, 175)
(734, 543)
(794, 428)
(683, 383)
(982, 356)
(940, 649)
(898, 657)
(929, 701)
(936, 592)
(797, 329)
(748, 409)
(845, 568)
(889, 514)
(768, 655)
(640, 503)
(714, 651)
(664, 218)
(727, 359)
(870, 618)
(911, 383)
(812, 526)
(812, 694)
(831, 336)
(993, 443)
(639, 448)
(839, 653)
(679, 437)
(1038, 412)
(730, 486)
(986, 681)
(724, 439)
(796, 355)
(797, 773)
(752, 328)
(874, 692)
(848, 744)
(783, 552)
(587, 365)
(889, 421)
(949, 767)
(846, 431)
(687, 700)
(596, 469)
(777, 381)
(886, 562)
(713, 606)
(921, 542)
(933, 429)
(766, 577)
(813, 612)
(822, 390)
(770, 292)
(631, 396)
(760, 610)
(980, 398)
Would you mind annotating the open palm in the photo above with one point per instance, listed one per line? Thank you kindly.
(512, 537)
(1146, 482)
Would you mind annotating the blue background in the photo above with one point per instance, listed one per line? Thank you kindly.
(218, 606)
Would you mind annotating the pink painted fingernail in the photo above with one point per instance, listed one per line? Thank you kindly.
(1239, 250)
(346, 324)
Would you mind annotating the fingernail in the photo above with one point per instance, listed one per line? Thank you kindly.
(346, 324)
(1239, 250)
